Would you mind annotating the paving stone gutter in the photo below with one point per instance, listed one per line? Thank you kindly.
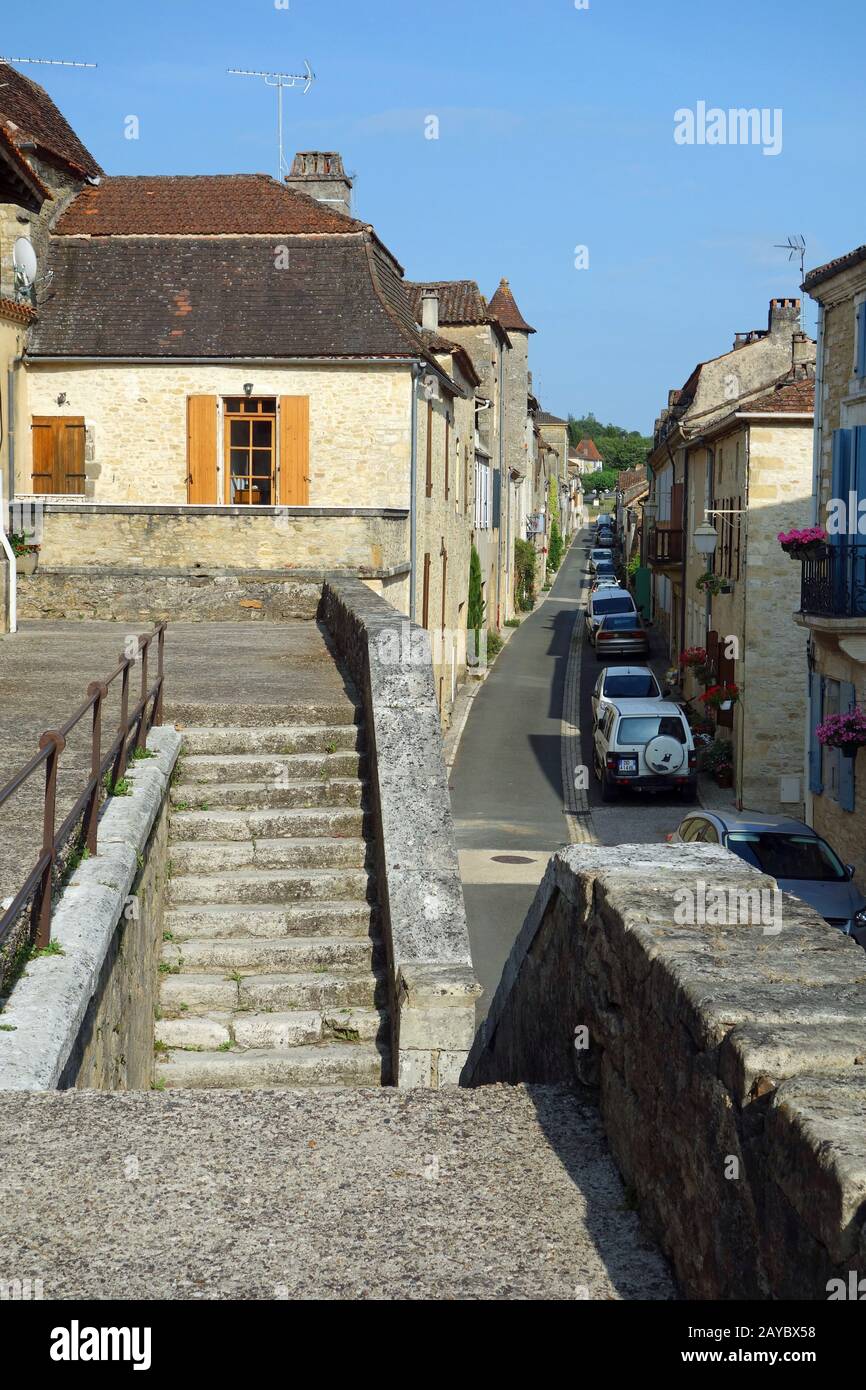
(84, 1016)
(729, 1061)
(420, 893)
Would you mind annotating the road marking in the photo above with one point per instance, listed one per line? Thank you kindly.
(578, 816)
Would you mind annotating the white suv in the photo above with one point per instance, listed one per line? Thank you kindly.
(604, 601)
(644, 745)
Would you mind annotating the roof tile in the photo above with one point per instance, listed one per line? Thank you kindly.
(30, 109)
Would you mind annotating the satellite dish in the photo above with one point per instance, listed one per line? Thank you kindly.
(24, 261)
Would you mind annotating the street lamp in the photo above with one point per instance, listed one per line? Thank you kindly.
(705, 539)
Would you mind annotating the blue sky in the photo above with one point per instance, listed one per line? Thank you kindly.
(555, 131)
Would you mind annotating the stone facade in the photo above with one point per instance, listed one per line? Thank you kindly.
(724, 1059)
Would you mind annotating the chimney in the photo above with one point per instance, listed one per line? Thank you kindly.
(321, 175)
(784, 316)
(430, 310)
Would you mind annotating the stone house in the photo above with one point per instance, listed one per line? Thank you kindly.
(832, 607)
(585, 457)
(732, 449)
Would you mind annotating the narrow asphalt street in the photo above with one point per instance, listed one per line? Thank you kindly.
(506, 783)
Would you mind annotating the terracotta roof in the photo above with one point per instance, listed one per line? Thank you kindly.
(544, 417)
(788, 398)
(32, 113)
(460, 301)
(586, 450)
(18, 313)
(504, 306)
(444, 347)
(19, 181)
(199, 205)
(148, 296)
(826, 272)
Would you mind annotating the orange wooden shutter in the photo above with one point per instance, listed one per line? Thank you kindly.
(70, 454)
(58, 453)
(43, 454)
(294, 451)
(201, 449)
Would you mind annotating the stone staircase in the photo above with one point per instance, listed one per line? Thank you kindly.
(272, 966)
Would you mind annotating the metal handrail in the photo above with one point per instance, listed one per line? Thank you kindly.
(38, 883)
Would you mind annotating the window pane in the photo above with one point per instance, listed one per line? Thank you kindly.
(268, 405)
(261, 463)
(232, 405)
(263, 433)
(239, 432)
(240, 461)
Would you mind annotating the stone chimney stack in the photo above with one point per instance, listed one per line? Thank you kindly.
(321, 175)
(784, 316)
(430, 310)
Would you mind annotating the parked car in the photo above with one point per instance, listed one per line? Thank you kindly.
(603, 581)
(604, 601)
(604, 519)
(644, 745)
(623, 683)
(621, 634)
(599, 554)
(793, 854)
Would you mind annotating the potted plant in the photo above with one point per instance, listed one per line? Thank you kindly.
(807, 544)
(721, 696)
(847, 732)
(710, 583)
(718, 760)
(25, 552)
(696, 660)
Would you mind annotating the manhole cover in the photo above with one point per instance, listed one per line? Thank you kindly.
(512, 859)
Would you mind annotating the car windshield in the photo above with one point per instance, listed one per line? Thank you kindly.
(640, 729)
(600, 604)
(628, 620)
(638, 687)
(787, 856)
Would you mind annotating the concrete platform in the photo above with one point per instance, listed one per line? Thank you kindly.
(241, 672)
(495, 1193)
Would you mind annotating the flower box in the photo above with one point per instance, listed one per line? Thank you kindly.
(808, 544)
(847, 732)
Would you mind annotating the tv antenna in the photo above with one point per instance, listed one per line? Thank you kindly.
(50, 62)
(796, 248)
(280, 80)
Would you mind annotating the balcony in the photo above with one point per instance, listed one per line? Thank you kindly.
(665, 546)
(835, 586)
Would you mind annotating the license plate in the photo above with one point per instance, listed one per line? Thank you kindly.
(628, 764)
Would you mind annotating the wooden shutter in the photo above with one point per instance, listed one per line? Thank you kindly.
(816, 714)
(676, 522)
(201, 450)
(294, 451)
(847, 701)
(429, 477)
(425, 603)
(444, 586)
(58, 453)
(447, 455)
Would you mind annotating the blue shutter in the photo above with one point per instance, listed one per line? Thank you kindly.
(497, 497)
(861, 339)
(841, 481)
(847, 701)
(816, 712)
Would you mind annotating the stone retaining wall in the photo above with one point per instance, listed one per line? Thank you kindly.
(424, 918)
(729, 1062)
(84, 1018)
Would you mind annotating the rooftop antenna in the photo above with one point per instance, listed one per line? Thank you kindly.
(796, 247)
(50, 62)
(280, 80)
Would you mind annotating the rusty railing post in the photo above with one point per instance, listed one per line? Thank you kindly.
(123, 726)
(41, 910)
(141, 732)
(160, 651)
(91, 816)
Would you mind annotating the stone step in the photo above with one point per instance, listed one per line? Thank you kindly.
(220, 922)
(319, 991)
(272, 1031)
(270, 886)
(190, 996)
(254, 796)
(210, 857)
(340, 1064)
(287, 955)
(334, 822)
(196, 714)
(207, 768)
(285, 738)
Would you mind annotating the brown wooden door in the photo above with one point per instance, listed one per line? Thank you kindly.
(201, 449)
(294, 451)
(58, 453)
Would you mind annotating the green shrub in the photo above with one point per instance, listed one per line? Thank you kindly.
(525, 560)
(475, 611)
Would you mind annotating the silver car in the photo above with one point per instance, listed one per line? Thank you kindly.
(793, 854)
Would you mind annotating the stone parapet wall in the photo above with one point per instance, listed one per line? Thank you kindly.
(728, 1062)
(84, 1017)
(433, 985)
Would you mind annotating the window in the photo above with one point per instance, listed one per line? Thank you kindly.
(250, 450)
(787, 856)
(429, 477)
(482, 495)
(636, 687)
(612, 605)
(643, 728)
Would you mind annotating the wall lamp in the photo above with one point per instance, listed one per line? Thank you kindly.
(706, 537)
(248, 388)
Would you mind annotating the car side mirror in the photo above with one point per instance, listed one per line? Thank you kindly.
(850, 869)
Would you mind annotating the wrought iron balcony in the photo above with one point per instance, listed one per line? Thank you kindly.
(665, 546)
(835, 585)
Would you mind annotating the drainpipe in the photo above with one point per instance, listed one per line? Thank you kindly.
(5, 517)
(416, 370)
(501, 459)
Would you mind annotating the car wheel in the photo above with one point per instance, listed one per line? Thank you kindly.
(608, 791)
